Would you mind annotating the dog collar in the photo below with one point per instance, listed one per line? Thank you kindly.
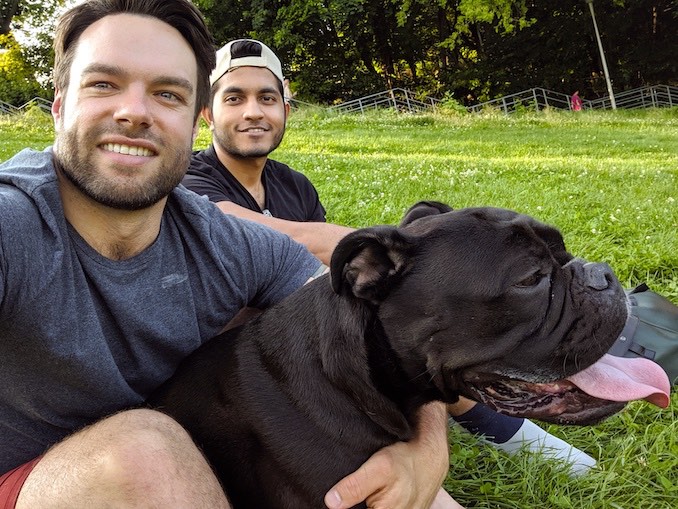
(624, 346)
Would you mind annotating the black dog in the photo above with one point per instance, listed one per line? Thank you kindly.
(485, 303)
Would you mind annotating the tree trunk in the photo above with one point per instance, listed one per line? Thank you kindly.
(8, 8)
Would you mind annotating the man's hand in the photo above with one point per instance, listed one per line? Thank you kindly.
(405, 475)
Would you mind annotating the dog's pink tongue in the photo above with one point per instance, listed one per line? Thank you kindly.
(625, 379)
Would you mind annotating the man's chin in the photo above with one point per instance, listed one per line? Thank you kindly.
(252, 153)
(129, 204)
(129, 196)
(248, 149)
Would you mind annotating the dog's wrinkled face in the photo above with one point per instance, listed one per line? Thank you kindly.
(488, 304)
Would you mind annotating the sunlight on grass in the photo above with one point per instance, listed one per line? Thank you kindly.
(609, 181)
(637, 467)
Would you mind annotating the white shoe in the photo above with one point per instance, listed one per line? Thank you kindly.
(533, 438)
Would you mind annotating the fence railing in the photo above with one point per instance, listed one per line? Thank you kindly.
(657, 96)
(396, 98)
(41, 103)
(535, 98)
(399, 99)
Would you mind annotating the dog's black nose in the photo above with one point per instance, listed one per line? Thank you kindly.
(598, 275)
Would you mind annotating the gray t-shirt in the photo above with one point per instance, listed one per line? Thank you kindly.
(83, 336)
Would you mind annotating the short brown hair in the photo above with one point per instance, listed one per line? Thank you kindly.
(179, 14)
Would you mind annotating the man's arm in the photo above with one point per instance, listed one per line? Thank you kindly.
(319, 238)
(405, 475)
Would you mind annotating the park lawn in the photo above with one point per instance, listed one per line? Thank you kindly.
(30, 130)
(608, 180)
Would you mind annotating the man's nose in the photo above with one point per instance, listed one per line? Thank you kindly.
(134, 108)
(253, 109)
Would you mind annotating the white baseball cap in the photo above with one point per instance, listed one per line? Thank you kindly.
(249, 53)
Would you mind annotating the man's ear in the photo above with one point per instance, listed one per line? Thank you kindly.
(196, 130)
(368, 262)
(56, 107)
(206, 114)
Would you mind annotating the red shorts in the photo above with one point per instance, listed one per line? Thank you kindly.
(11, 483)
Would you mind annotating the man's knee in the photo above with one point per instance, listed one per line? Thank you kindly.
(134, 456)
(137, 445)
(143, 428)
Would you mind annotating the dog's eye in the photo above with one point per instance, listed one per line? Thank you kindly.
(532, 280)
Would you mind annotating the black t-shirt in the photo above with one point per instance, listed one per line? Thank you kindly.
(289, 194)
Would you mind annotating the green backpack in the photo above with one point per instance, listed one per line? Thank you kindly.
(651, 330)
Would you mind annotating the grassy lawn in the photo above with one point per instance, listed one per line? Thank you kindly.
(608, 180)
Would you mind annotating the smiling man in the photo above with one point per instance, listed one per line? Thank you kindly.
(247, 116)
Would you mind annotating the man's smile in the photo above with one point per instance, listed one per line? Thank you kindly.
(132, 150)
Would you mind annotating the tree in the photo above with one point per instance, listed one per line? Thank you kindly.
(31, 24)
(474, 50)
(17, 77)
(8, 9)
(348, 48)
(559, 50)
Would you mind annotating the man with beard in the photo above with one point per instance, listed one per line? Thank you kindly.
(111, 274)
(247, 117)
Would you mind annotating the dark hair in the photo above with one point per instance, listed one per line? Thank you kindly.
(180, 14)
(240, 49)
(245, 48)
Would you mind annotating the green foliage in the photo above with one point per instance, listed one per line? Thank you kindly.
(337, 50)
(17, 77)
(340, 50)
(559, 50)
(33, 27)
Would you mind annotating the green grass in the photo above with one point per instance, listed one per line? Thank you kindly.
(30, 130)
(608, 180)
(636, 452)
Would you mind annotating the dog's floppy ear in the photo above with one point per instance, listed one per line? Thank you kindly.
(424, 208)
(553, 239)
(369, 261)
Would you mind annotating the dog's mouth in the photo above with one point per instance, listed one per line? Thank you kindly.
(586, 397)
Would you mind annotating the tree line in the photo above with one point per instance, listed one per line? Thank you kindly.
(469, 50)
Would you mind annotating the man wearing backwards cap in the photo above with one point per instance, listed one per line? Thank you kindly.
(247, 117)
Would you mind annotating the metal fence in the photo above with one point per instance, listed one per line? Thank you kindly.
(401, 100)
(534, 99)
(656, 96)
(397, 98)
(39, 102)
